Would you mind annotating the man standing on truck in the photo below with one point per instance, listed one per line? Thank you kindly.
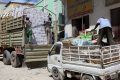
(105, 30)
(47, 28)
(28, 31)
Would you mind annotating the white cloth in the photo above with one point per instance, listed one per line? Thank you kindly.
(103, 23)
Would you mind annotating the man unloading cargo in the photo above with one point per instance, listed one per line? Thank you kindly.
(47, 28)
(105, 30)
(28, 30)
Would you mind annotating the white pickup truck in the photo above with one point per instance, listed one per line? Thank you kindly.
(86, 62)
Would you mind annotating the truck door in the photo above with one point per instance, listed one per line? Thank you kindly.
(54, 57)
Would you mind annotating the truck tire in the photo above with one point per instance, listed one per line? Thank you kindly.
(56, 74)
(6, 57)
(87, 77)
(15, 60)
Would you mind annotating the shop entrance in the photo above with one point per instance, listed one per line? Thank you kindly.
(115, 16)
(81, 23)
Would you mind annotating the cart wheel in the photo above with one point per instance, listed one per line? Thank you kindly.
(56, 74)
(87, 77)
(6, 57)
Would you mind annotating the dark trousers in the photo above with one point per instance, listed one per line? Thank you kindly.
(105, 32)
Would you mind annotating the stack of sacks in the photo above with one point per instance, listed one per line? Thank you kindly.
(37, 19)
(18, 12)
(67, 42)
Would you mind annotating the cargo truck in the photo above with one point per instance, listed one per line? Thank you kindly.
(90, 62)
(13, 44)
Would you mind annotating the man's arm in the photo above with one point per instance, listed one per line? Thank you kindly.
(96, 26)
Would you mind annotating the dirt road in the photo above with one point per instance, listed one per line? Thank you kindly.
(7, 72)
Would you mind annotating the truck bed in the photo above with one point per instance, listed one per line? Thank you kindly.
(92, 55)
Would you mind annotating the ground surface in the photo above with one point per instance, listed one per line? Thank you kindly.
(7, 72)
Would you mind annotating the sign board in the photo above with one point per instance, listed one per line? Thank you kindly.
(111, 2)
(79, 7)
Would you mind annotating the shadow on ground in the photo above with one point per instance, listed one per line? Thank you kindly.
(1, 59)
(37, 64)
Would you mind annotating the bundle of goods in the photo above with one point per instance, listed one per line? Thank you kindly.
(86, 35)
(85, 38)
(67, 42)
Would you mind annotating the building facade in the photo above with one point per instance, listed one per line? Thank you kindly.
(85, 13)
(55, 8)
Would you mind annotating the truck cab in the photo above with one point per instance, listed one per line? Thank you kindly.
(55, 61)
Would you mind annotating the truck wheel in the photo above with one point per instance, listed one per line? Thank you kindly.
(56, 74)
(6, 57)
(14, 60)
(87, 77)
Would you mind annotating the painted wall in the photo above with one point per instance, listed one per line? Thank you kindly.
(101, 10)
(53, 5)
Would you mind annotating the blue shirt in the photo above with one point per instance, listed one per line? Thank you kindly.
(103, 23)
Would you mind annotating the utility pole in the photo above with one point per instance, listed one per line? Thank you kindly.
(56, 20)
(56, 29)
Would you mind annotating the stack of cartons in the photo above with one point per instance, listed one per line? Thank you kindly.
(37, 19)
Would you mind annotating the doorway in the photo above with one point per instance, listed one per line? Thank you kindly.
(115, 16)
(81, 23)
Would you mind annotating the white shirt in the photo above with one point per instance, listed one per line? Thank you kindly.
(103, 23)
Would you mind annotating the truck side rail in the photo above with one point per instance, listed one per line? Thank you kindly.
(10, 23)
(36, 52)
(110, 54)
(15, 23)
(91, 55)
(14, 38)
(5, 39)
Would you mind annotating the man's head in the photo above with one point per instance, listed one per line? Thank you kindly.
(27, 18)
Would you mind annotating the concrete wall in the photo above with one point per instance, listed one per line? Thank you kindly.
(99, 10)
